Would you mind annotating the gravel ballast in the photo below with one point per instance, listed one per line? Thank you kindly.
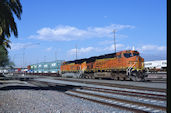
(47, 101)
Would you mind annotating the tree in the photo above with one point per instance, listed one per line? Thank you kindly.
(8, 8)
(4, 59)
(7, 23)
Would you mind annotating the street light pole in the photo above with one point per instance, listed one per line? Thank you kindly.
(24, 47)
(23, 56)
(114, 41)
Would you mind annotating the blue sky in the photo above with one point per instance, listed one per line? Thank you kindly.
(51, 29)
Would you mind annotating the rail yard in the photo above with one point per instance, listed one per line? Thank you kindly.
(116, 82)
(38, 93)
(89, 56)
(123, 65)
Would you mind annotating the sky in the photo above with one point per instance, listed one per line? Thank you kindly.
(52, 29)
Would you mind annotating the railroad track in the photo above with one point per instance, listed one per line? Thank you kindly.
(122, 103)
(114, 85)
(128, 93)
(134, 100)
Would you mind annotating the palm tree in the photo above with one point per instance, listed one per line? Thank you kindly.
(4, 58)
(7, 23)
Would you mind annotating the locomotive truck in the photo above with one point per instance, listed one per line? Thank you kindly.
(123, 65)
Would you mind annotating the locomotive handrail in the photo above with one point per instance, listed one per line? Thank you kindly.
(129, 69)
(131, 65)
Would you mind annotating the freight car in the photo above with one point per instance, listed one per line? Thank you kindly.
(45, 68)
(123, 65)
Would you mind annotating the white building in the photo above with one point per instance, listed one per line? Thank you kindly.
(158, 64)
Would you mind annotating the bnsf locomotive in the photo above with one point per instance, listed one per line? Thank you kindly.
(123, 65)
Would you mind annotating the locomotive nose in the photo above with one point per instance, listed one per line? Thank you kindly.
(140, 61)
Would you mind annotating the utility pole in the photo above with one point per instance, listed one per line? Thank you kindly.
(114, 41)
(55, 55)
(76, 50)
(44, 58)
(23, 56)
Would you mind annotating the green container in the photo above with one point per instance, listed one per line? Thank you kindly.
(40, 66)
(32, 67)
(35, 71)
(56, 64)
(35, 66)
(47, 67)
(45, 71)
(40, 70)
(54, 70)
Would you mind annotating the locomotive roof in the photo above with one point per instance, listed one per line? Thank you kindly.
(92, 59)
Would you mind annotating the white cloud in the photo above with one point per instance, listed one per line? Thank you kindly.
(152, 48)
(18, 46)
(48, 49)
(67, 33)
(105, 42)
(105, 16)
(93, 49)
(81, 50)
(119, 47)
(111, 48)
(145, 49)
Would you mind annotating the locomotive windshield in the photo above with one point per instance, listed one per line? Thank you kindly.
(136, 54)
(127, 55)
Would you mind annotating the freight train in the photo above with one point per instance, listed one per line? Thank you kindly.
(123, 65)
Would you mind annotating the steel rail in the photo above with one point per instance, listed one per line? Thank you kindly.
(122, 100)
(126, 93)
(112, 105)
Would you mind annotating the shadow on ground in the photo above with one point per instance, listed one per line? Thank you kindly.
(54, 88)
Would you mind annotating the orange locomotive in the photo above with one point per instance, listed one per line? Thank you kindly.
(123, 65)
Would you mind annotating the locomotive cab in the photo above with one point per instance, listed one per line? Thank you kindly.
(133, 59)
(135, 65)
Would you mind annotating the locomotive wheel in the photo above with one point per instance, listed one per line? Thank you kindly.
(120, 78)
(100, 78)
(113, 76)
(124, 78)
(91, 77)
(133, 78)
(137, 79)
(116, 78)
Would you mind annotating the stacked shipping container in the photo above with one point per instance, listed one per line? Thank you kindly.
(46, 67)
